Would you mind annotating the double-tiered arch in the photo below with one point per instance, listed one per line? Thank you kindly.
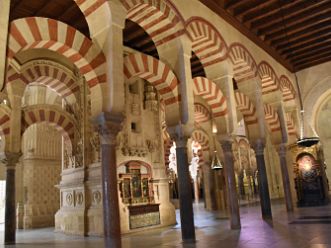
(161, 76)
(44, 33)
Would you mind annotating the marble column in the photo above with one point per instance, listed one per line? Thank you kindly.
(285, 177)
(231, 184)
(109, 126)
(185, 191)
(10, 161)
(263, 180)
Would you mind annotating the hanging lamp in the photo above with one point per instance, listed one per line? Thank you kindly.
(302, 141)
(216, 163)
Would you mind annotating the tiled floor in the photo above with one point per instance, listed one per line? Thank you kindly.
(312, 228)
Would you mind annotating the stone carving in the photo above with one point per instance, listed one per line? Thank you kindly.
(95, 143)
(152, 145)
(135, 105)
(79, 198)
(134, 151)
(96, 197)
(69, 199)
(150, 99)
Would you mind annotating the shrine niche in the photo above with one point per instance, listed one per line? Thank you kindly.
(245, 169)
(310, 179)
(136, 187)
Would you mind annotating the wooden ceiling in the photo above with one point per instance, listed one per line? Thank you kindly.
(136, 38)
(65, 11)
(297, 33)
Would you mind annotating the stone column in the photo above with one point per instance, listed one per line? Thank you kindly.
(263, 180)
(10, 161)
(109, 126)
(185, 191)
(231, 184)
(285, 177)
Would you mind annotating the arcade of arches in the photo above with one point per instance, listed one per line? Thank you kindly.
(111, 122)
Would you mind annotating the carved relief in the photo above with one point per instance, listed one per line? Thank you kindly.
(69, 199)
(135, 105)
(96, 198)
(95, 143)
(79, 198)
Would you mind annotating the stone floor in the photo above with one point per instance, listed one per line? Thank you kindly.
(307, 227)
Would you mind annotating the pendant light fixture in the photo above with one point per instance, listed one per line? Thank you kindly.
(216, 163)
(302, 141)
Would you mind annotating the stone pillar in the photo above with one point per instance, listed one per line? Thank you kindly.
(10, 205)
(109, 126)
(263, 180)
(285, 177)
(185, 191)
(231, 184)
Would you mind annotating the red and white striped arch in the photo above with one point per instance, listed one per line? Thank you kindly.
(59, 80)
(244, 65)
(14, 76)
(156, 72)
(287, 88)
(90, 6)
(37, 32)
(291, 128)
(50, 114)
(5, 121)
(207, 43)
(201, 113)
(214, 97)
(202, 138)
(246, 107)
(159, 18)
(268, 77)
(271, 117)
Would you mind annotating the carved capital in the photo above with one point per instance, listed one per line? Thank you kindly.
(180, 134)
(226, 145)
(10, 159)
(259, 147)
(282, 149)
(108, 126)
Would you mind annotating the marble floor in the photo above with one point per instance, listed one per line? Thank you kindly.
(307, 227)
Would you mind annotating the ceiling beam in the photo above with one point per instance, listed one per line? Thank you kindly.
(253, 7)
(231, 4)
(311, 57)
(282, 12)
(312, 63)
(245, 31)
(283, 43)
(317, 13)
(324, 20)
(305, 43)
(248, 19)
(308, 48)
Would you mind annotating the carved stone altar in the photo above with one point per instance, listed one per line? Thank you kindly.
(144, 215)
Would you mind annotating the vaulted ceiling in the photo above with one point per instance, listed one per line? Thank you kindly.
(297, 33)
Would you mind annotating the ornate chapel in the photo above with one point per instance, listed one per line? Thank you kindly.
(117, 114)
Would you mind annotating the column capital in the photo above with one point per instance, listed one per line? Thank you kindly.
(282, 149)
(258, 146)
(226, 145)
(108, 126)
(10, 159)
(180, 134)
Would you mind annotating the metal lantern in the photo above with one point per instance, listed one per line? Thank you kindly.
(216, 163)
